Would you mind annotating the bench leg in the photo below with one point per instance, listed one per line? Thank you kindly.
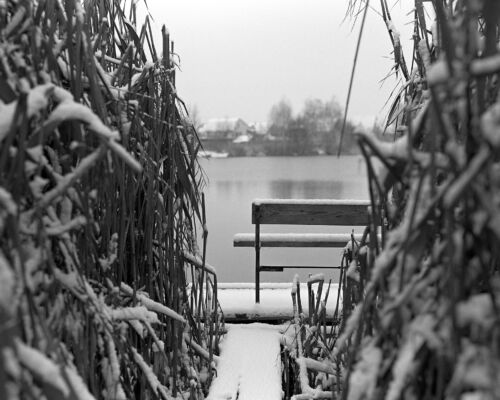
(257, 263)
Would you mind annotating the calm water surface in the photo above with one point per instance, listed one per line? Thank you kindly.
(233, 183)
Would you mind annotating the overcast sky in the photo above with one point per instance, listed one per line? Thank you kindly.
(239, 57)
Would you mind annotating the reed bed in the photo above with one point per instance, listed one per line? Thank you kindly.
(308, 343)
(426, 323)
(104, 292)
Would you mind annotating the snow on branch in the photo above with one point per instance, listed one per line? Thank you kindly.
(63, 380)
(199, 350)
(37, 100)
(198, 262)
(140, 313)
(150, 376)
(151, 304)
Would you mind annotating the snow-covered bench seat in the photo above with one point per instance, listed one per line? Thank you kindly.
(294, 239)
(347, 213)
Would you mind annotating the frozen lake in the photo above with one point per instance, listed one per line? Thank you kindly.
(235, 182)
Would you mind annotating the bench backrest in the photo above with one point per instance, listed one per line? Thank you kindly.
(310, 212)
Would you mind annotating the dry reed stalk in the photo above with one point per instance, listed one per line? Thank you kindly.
(426, 320)
(307, 369)
(100, 199)
(422, 332)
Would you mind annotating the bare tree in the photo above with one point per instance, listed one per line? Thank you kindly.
(280, 117)
(321, 116)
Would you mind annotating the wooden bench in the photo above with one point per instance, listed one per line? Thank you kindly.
(347, 213)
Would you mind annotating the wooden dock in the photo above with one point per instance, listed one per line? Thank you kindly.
(237, 301)
(249, 366)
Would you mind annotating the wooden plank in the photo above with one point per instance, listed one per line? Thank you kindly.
(270, 268)
(237, 300)
(294, 239)
(280, 268)
(311, 212)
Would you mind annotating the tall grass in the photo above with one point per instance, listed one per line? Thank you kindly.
(426, 325)
(103, 290)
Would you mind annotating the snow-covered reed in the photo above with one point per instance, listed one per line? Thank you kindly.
(425, 308)
(437, 194)
(100, 201)
(307, 342)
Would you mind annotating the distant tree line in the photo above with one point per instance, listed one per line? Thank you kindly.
(315, 130)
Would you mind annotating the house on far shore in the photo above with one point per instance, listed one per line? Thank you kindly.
(217, 134)
(259, 129)
(223, 128)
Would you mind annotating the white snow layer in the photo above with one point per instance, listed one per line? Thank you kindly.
(275, 299)
(250, 364)
(312, 201)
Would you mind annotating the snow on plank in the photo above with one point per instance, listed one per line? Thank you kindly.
(338, 240)
(250, 364)
(313, 201)
(237, 300)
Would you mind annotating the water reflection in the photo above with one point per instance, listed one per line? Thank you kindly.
(312, 189)
(281, 188)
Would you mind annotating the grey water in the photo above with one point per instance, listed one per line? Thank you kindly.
(233, 183)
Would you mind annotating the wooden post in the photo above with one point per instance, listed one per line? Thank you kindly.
(256, 221)
(257, 262)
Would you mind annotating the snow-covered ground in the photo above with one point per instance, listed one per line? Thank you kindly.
(250, 364)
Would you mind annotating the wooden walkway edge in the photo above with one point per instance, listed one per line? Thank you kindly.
(238, 302)
(250, 364)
